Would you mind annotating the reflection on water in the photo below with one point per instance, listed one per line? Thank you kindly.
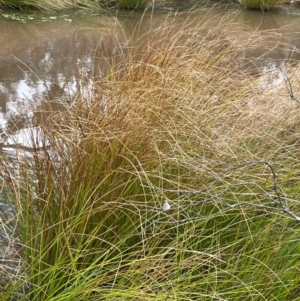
(48, 57)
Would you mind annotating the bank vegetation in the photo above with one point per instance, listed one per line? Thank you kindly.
(176, 177)
(63, 5)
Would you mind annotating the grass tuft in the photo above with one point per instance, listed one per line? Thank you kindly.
(264, 5)
(133, 4)
(176, 120)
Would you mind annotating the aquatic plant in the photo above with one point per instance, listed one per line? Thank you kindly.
(263, 5)
(166, 182)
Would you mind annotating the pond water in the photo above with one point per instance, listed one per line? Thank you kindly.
(45, 56)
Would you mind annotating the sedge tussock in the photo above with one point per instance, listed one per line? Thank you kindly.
(164, 182)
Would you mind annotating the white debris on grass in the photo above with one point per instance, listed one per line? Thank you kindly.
(166, 206)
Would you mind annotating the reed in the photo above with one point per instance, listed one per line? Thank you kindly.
(156, 185)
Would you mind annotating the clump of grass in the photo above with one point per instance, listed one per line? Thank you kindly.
(168, 122)
(263, 5)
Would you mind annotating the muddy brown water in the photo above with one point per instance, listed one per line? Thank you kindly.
(45, 56)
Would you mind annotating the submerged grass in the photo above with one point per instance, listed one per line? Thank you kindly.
(169, 122)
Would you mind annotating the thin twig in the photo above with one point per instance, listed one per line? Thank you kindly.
(284, 208)
(277, 199)
(289, 86)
